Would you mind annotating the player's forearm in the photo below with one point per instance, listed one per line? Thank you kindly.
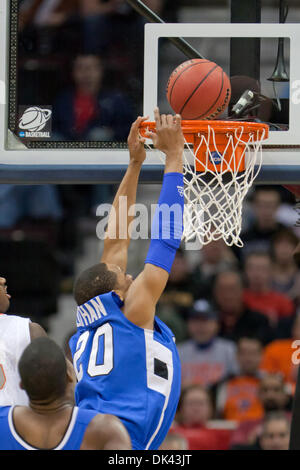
(119, 220)
(167, 226)
(174, 162)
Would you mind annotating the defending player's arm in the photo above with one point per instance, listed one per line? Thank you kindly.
(36, 331)
(117, 238)
(166, 235)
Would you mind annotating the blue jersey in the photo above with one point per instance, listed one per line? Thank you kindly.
(127, 371)
(11, 440)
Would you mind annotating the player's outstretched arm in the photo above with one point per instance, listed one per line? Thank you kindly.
(106, 432)
(167, 227)
(117, 238)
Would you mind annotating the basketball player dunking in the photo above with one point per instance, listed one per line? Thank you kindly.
(124, 357)
(15, 334)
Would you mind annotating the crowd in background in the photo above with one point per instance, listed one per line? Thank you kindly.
(234, 311)
(236, 317)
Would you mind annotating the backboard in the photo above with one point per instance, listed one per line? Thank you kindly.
(38, 141)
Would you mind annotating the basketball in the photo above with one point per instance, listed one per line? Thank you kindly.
(198, 89)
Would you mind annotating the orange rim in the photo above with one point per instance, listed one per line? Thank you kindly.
(220, 127)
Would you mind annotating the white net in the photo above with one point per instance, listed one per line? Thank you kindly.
(214, 197)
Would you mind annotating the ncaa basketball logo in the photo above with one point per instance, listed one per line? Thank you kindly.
(215, 158)
(35, 122)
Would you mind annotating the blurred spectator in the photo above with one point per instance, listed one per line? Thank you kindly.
(116, 20)
(237, 396)
(278, 354)
(236, 319)
(193, 421)
(265, 204)
(259, 294)
(205, 358)
(273, 395)
(40, 202)
(214, 256)
(195, 406)
(46, 12)
(86, 111)
(275, 433)
(106, 24)
(178, 291)
(48, 31)
(174, 441)
(285, 272)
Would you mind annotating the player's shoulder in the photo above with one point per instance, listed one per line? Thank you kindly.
(104, 429)
(10, 324)
(103, 422)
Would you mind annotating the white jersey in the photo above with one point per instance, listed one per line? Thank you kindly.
(14, 337)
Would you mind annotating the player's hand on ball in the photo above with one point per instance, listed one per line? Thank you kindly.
(136, 142)
(168, 135)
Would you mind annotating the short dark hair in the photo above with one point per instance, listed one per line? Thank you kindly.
(266, 189)
(43, 370)
(275, 416)
(263, 253)
(253, 338)
(193, 386)
(94, 281)
(228, 271)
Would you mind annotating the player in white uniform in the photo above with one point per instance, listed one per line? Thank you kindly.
(15, 334)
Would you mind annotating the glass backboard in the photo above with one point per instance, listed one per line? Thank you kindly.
(68, 94)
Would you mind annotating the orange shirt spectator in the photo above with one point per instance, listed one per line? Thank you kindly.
(273, 396)
(237, 397)
(242, 403)
(278, 358)
(278, 355)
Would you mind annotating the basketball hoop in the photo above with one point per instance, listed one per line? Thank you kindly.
(221, 161)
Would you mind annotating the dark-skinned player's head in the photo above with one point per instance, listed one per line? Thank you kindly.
(43, 371)
(100, 279)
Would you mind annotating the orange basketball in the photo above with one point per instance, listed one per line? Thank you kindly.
(198, 89)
